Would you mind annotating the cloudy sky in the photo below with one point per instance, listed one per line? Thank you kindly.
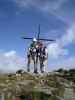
(21, 18)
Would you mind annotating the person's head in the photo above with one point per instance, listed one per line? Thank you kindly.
(45, 47)
(34, 40)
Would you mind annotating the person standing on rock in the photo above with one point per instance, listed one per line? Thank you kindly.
(32, 55)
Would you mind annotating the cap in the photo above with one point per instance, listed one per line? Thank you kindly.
(34, 39)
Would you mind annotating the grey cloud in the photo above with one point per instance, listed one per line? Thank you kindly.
(42, 4)
(68, 63)
(61, 9)
(54, 7)
(59, 47)
(11, 62)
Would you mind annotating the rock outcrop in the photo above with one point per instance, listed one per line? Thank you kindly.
(28, 86)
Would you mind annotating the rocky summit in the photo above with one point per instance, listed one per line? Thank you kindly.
(29, 86)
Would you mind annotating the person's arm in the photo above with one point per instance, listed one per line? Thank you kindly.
(31, 45)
